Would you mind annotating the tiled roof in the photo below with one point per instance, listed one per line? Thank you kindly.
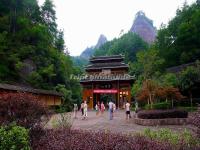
(106, 58)
(105, 65)
(29, 90)
(179, 68)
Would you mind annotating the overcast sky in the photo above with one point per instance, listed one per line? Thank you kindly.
(84, 20)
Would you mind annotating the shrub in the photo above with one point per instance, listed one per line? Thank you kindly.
(160, 114)
(63, 108)
(14, 137)
(64, 120)
(184, 138)
(24, 109)
(163, 135)
(77, 140)
(188, 109)
(161, 105)
(195, 120)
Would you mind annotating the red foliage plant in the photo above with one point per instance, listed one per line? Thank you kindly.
(23, 108)
(143, 95)
(83, 140)
(95, 140)
(195, 120)
(169, 93)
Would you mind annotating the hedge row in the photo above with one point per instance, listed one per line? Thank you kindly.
(161, 105)
(161, 114)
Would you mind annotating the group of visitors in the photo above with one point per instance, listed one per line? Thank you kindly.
(112, 108)
(100, 108)
(83, 110)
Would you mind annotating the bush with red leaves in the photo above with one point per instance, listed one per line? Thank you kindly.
(24, 109)
(80, 140)
(89, 140)
(195, 120)
(161, 114)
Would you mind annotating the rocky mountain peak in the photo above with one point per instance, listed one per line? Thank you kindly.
(143, 26)
(89, 51)
(102, 40)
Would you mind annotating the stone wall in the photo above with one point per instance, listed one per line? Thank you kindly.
(155, 122)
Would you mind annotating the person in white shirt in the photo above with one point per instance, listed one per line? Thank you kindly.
(127, 107)
(85, 110)
(110, 106)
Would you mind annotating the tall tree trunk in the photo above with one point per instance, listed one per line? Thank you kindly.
(150, 98)
(190, 93)
(172, 103)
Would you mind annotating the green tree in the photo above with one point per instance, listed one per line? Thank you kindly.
(187, 80)
(169, 80)
(49, 16)
(150, 62)
(179, 40)
(32, 49)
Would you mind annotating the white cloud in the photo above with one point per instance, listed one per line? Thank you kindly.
(84, 20)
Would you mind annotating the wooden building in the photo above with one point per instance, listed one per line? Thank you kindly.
(50, 98)
(107, 78)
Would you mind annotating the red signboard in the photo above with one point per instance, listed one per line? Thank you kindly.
(105, 91)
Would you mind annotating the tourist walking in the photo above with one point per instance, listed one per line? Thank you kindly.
(97, 109)
(127, 107)
(136, 106)
(75, 110)
(102, 107)
(110, 110)
(85, 110)
(114, 108)
(82, 105)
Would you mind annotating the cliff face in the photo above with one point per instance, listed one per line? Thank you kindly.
(89, 51)
(143, 26)
(102, 40)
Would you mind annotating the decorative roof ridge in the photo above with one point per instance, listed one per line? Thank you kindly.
(96, 58)
(107, 56)
(106, 63)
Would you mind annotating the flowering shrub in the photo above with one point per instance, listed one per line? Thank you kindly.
(80, 140)
(24, 109)
(14, 137)
(160, 114)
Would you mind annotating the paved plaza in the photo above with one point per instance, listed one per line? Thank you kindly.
(119, 124)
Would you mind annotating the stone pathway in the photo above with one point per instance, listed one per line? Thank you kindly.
(119, 124)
